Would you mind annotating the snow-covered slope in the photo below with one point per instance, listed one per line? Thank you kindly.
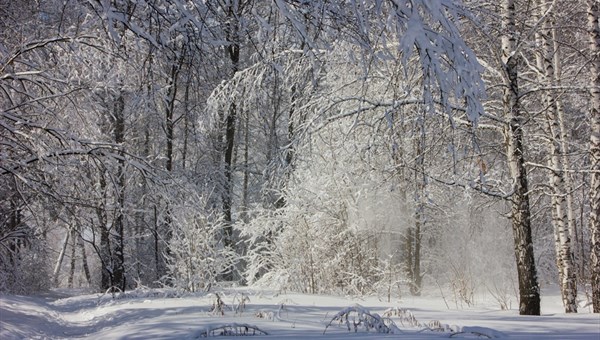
(159, 314)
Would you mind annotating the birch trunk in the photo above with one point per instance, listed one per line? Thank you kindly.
(594, 36)
(562, 237)
(61, 257)
(529, 295)
(84, 261)
(568, 187)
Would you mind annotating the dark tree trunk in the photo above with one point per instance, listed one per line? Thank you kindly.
(73, 258)
(106, 278)
(118, 261)
(84, 261)
(233, 51)
(529, 295)
(104, 251)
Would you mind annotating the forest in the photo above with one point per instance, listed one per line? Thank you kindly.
(350, 147)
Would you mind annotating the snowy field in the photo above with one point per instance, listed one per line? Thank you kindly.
(157, 314)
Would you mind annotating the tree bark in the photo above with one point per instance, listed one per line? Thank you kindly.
(104, 251)
(594, 43)
(118, 261)
(246, 174)
(562, 236)
(84, 261)
(529, 295)
(73, 258)
(415, 235)
(61, 257)
(233, 51)
(170, 121)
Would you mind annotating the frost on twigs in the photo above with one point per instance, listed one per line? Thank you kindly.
(405, 316)
(231, 329)
(239, 302)
(357, 318)
(218, 307)
(407, 319)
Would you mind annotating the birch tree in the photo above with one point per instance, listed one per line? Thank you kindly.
(593, 13)
(529, 294)
(555, 126)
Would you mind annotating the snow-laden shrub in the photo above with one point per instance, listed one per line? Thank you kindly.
(198, 255)
(228, 329)
(23, 267)
(314, 254)
(391, 279)
(312, 245)
(357, 318)
(404, 316)
(329, 235)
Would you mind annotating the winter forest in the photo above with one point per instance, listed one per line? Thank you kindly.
(383, 147)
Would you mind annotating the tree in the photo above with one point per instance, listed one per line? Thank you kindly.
(229, 102)
(546, 60)
(593, 12)
(529, 294)
(35, 92)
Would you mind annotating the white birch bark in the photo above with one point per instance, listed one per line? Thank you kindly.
(562, 237)
(61, 257)
(594, 36)
(529, 295)
(564, 137)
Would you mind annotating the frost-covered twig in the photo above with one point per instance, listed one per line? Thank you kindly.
(240, 306)
(218, 307)
(230, 329)
(405, 315)
(364, 320)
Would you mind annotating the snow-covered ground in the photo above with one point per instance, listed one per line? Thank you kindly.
(158, 314)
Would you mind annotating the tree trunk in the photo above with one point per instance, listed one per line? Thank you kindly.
(84, 261)
(106, 279)
(61, 257)
(529, 295)
(564, 253)
(170, 111)
(245, 180)
(409, 257)
(186, 114)
(158, 259)
(73, 258)
(118, 261)
(416, 234)
(564, 149)
(104, 251)
(594, 36)
(233, 50)
(170, 136)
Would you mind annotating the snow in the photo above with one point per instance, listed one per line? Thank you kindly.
(162, 314)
